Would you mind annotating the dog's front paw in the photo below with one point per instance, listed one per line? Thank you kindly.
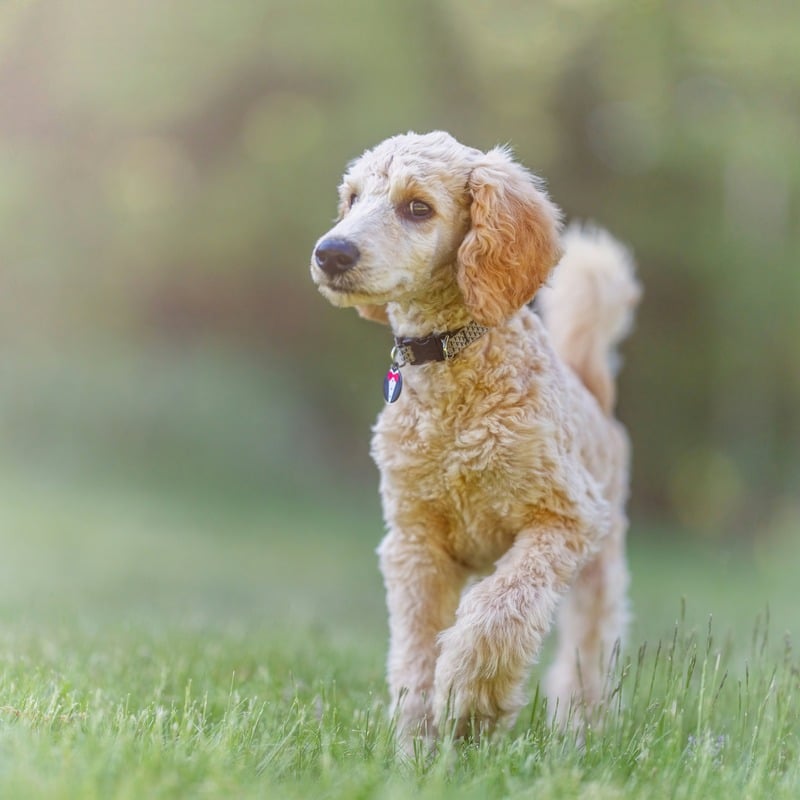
(476, 688)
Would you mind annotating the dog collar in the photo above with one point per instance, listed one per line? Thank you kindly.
(436, 347)
(412, 350)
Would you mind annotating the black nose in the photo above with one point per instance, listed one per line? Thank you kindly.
(334, 256)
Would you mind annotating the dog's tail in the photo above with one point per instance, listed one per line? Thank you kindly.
(588, 306)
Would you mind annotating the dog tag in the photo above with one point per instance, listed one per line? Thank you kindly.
(392, 384)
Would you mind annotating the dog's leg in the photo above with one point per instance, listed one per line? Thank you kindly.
(423, 585)
(592, 623)
(487, 654)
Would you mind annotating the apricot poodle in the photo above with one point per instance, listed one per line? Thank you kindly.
(504, 476)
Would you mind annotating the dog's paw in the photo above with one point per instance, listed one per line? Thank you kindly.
(475, 690)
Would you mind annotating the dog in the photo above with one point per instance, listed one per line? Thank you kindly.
(503, 474)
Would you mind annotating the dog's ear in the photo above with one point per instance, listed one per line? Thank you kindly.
(513, 241)
(374, 313)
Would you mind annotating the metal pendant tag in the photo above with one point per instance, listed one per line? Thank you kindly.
(392, 384)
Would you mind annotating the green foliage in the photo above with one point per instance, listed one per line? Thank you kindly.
(167, 168)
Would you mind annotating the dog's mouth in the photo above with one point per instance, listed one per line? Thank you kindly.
(356, 286)
(345, 293)
(340, 285)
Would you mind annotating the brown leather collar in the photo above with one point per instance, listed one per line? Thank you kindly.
(436, 347)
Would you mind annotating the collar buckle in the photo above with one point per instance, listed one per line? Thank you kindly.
(445, 342)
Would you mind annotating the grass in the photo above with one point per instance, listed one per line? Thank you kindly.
(169, 638)
(135, 712)
(145, 652)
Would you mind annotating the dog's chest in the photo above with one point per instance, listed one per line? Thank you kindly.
(468, 473)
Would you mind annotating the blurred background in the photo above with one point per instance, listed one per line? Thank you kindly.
(172, 388)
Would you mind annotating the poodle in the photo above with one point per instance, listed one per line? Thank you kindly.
(504, 475)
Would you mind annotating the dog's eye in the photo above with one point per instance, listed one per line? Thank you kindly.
(352, 200)
(419, 210)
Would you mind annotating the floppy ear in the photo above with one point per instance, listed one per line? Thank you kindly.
(374, 313)
(513, 241)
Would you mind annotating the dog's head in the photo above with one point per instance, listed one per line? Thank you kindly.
(419, 212)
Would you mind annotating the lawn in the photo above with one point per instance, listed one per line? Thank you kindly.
(172, 636)
(164, 648)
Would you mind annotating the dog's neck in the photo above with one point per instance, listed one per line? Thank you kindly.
(434, 312)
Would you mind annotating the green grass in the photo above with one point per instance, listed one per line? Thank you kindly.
(135, 713)
(166, 634)
(153, 648)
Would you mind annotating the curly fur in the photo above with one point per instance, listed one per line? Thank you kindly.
(503, 475)
(512, 243)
